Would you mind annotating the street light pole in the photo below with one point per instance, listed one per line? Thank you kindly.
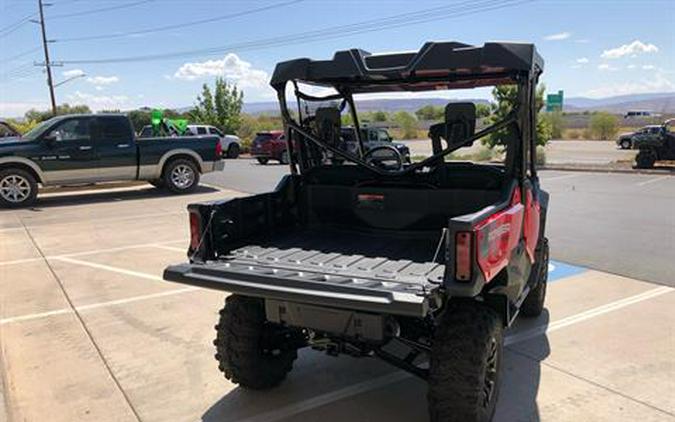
(48, 64)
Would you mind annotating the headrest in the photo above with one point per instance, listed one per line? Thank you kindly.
(460, 121)
(328, 124)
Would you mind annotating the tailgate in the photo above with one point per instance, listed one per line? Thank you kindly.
(310, 285)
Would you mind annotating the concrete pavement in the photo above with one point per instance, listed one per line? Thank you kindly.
(88, 331)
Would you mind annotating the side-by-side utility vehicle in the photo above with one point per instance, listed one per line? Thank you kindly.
(423, 265)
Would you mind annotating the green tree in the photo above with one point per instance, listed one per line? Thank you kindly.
(483, 110)
(430, 112)
(380, 116)
(604, 125)
(407, 123)
(220, 108)
(556, 121)
(40, 116)
(506, 97)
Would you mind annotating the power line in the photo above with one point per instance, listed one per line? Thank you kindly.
(24, 53)
(101, 10)
(373, 25)
(16, 25)
(180, 25)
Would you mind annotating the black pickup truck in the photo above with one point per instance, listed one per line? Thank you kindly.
(90, 148)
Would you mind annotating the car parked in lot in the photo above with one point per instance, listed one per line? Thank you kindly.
(372, 137)
(270, 145)
(89, 148)
(231, 144)
(625, 140)
(422, 265)
(653, 147)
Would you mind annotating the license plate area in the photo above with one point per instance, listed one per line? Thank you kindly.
(345, 323)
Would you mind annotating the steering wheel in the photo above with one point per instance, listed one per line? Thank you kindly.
(385, 157)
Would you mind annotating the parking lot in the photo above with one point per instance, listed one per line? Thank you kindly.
(89, 331)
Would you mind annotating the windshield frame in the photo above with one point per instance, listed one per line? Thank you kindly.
(39, 130)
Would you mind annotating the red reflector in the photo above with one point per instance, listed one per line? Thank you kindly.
(219, 149)
(195, 230)
(463, 256)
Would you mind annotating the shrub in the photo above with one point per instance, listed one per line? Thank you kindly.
(407, 123)
(604, 126)
(556, 121)
(540, 159)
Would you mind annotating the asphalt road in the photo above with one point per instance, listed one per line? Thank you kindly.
(619, 223)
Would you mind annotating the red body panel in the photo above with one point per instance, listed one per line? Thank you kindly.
(531, 227)
(272, 147)
(496, 237)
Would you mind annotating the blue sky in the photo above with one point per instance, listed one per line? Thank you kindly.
(591, 48)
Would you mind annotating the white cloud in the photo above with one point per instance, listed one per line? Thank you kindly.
(657, 83)
(558, 37)
(607, 67)
(582, 60)
(648, 67)
(72, 73)
(231, 67)
(582, 41)
(16, 109)
(99, 102)
(103, 80)
(632, 49)
(631, 66)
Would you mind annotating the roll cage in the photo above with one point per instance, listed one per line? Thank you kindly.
(437, 65)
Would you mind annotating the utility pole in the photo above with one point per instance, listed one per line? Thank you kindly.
(48, 64)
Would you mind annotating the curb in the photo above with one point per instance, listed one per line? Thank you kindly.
(601, 169)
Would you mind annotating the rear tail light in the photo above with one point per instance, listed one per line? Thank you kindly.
(195, 231)
(463, 242)
(219, 150)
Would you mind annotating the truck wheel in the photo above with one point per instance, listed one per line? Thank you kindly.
(464, 369)
(262, 160)
(533, 305)
(244, 344)
(625, 144)
(233, 151)
(285, 158)
(18, 188)
(645, 159)
(181, 176)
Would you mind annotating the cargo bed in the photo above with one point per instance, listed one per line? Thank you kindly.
(390, 273)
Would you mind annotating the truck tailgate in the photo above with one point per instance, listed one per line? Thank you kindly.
(310, 268)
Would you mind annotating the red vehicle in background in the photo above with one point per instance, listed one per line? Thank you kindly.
(270, 146)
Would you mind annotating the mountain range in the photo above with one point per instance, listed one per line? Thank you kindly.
(663, 103)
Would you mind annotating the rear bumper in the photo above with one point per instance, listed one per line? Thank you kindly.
(300, 287)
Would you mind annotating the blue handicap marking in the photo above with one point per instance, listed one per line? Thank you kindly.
(558, 270)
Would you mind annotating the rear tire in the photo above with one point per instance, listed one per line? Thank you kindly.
(533, 305)
(241, 349)
(233, 151)
(465, 365)
(625, 144)
(181, 176)
(645, 159)
(18, 188)
(262, 160)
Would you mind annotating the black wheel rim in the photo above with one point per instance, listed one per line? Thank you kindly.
(491, 367)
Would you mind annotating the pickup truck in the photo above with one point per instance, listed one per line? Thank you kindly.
(90, 148)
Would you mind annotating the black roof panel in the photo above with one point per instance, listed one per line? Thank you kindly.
(437, 65)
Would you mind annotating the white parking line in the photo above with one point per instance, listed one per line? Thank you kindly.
(373, 384)
(97, 251)
(563, 177)
(96, 305)
(654, 180)
(109, 268)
